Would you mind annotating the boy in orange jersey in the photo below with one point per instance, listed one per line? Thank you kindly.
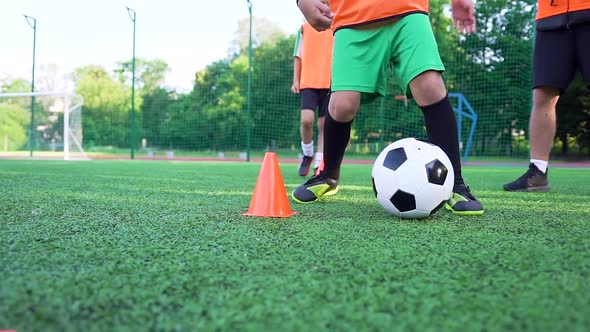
(369, 37)
(311, 79)
(562, 46)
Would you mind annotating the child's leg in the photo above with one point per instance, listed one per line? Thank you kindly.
(430, 94)
(359, 65)
(322, 111)
(306, 130)
(343, 107)
(309, 103)
(416, 63)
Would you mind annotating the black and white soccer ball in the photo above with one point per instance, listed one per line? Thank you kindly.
(412, 178)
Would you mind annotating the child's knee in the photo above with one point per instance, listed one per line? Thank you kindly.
(344, 105)
(307, 122)
(428, 88)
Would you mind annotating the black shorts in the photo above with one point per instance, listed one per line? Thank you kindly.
(559, 54)
(312, 99)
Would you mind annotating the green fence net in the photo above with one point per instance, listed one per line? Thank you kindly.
(491, 69)
(232, 114)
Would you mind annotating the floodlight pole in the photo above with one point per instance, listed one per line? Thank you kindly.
(33, 24)
(249, 84)
(132, 15)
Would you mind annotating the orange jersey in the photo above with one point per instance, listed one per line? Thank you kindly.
(550, 8)
(350, 13)
(315, 51)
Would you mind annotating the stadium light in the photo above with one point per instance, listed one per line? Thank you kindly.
(249, 84)
(33, 24)
(132, 16)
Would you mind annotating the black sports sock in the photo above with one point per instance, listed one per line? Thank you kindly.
(441, 126)
(336, 137)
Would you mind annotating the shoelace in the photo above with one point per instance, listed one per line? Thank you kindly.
(466, 192)
(531, 173)
(314, 179)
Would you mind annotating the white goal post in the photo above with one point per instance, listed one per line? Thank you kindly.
(51, 130)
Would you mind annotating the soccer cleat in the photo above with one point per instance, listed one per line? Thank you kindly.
(463, 203)
(532, 180)
(315, 188)
(305, 165)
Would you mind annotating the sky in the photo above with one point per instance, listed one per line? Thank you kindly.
(187, 34)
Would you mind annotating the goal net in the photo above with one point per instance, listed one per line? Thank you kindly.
(41, 125)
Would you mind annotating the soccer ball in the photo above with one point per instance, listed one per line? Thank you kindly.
(412, 179)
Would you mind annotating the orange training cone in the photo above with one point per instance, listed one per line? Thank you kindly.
(270, 197)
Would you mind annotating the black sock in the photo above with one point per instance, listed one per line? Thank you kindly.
(441, 126)
(336, 137)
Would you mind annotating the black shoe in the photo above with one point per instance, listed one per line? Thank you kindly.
(463, 202)
(315, 188)
(532, 180)
(305, 165)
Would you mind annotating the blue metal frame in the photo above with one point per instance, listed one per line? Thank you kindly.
(463, 104)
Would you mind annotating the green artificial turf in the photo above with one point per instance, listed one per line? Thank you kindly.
(162, 246)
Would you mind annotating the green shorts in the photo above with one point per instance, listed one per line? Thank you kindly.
(362, 56)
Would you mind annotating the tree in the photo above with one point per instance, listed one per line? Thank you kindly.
(149, 74)
(492, 68)
(15, 113)
(14, 123)
(49, 79)
(154, 110)
(217, 106)
(107, 104)
(275, 110)
(8, 85)
(264, 31)
(16, 85)
(573, 118)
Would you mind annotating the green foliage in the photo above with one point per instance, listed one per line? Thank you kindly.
(573, 114)
(212, 117)
(14, 121)
(491, 68)
(107, 105)
(264, 31)
(275, 110)
(8, 85)
(149, 74)
(153, 115)
(160, 246)
(215, 115)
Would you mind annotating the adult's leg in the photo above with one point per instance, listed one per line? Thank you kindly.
(554, 66)
(542, 123)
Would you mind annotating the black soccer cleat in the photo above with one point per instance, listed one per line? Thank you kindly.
(305, 165)
(315, 188)
(532, 180)
(463, 202)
